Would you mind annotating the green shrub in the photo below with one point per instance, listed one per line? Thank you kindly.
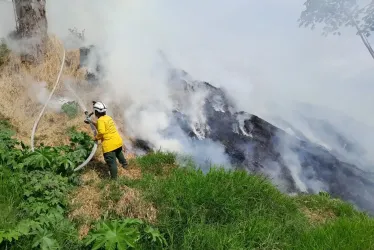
(4, 53)
(123, 234)
(34, 188)
(71, 109)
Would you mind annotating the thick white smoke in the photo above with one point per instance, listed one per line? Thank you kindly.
(254, 49)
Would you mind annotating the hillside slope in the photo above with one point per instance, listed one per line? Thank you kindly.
(45, 205)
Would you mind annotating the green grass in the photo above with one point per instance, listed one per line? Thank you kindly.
(156, 163)
(11, 192)
(234, 210)
(71, 109)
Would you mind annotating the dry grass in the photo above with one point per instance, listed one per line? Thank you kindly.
(86, 199)
(130, 173)
(317, 217)
(83, 231)
(130, 205)
(18, 104)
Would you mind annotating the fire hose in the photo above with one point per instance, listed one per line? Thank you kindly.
(94, 148)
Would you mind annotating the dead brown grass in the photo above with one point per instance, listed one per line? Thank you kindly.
(317, 217)
(86, 199)
(130, 205)
(131, 173)
(83, 231)
(89, 202)
(22, 108)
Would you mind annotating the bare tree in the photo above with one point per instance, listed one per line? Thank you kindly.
(32, 28)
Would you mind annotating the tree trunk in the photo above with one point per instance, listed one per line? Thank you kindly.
(363, 38)
(367, 44)
(32, 29)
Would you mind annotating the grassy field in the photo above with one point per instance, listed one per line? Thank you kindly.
(157, 205)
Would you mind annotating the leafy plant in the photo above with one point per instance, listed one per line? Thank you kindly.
(44, 240)
(41, 158)
(70, 108)
(123, 234)
(44, 193)
(154, 235)
(115, 234)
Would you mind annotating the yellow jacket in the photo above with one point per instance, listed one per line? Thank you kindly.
(108, 134)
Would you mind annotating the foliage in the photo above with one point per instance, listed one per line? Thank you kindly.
(60, 160)
(4, 53)
(44, 193)
(70, 108)
(195, 210)
(34, 187)
(336, 14)
(123, 234)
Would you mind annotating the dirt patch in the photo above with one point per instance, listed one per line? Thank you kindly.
(318, 216)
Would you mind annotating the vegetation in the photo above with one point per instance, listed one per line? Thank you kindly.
(4, 53)
(71, 109)
(34, 188)
(217, 210)
(335, 14)
(234, 210)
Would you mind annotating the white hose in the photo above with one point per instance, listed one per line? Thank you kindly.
(94, 148)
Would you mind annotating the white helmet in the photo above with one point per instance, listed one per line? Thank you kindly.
(99, 107)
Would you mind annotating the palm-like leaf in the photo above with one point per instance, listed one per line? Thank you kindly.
(115, 235)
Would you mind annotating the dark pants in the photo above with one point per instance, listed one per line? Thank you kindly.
(111, 159)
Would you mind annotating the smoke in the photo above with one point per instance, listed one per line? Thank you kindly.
(253, 49)
(274, 64)
(38, 91)
(7, 23)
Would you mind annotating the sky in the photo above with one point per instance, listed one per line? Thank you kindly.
(254, 49)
